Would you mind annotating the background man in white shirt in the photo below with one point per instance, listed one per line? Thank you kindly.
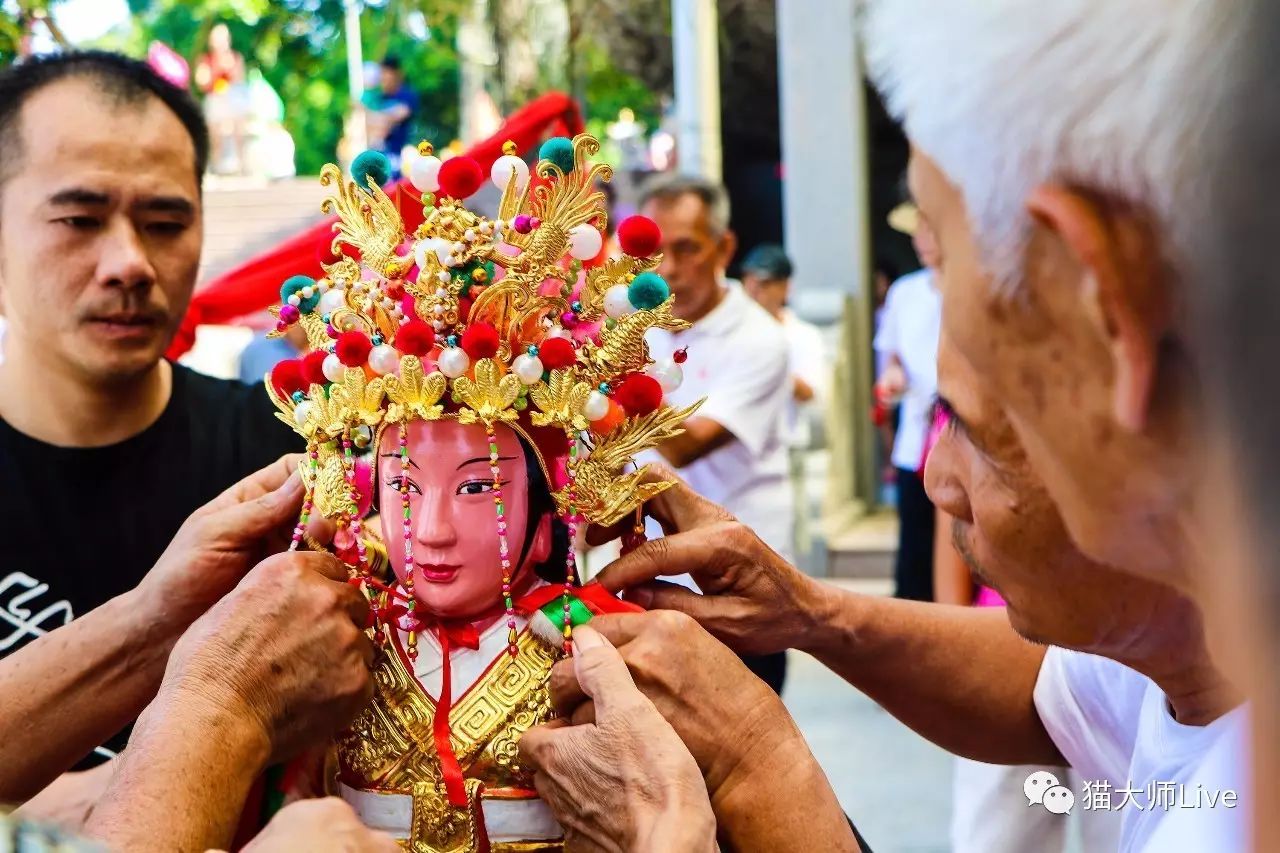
(908, 341)
(733, 451)
(766, 277)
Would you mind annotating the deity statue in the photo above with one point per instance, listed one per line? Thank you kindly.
(483, 386)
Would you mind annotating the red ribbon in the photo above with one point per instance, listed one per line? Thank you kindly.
(440, 729)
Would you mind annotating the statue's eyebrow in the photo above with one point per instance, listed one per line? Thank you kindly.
(482, 459)
(397, 456)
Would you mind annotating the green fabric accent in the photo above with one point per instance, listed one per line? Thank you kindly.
(579, 613)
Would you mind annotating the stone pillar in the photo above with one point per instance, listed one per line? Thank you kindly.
(695, 32)
(825, 206)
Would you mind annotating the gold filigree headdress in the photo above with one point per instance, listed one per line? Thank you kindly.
(515, 320)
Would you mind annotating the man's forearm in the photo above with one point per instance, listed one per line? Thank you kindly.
(73, 688)
(958, 676)
(183, 780)
(777, 798)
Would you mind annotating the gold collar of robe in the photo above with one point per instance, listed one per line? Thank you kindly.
(390, 748)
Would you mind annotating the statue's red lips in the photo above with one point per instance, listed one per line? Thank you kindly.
(438, 573)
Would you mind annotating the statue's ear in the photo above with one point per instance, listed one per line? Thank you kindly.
(540, 547)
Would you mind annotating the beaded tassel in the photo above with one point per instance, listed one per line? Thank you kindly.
(408, 538)
(308, 503)
(571, 561)
(356, 527)
(503, 550)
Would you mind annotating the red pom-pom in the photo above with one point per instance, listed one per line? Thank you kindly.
(415, 337)
(460, 177)
(557, 354)
(639, 236)
(639, 394)
(313, 368)
(353, 348)
(480, 340)
(287, 377)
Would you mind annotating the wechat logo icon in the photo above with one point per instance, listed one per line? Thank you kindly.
(1043, 789)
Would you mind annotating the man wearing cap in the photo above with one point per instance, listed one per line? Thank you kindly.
(766, 277)
(908, 341)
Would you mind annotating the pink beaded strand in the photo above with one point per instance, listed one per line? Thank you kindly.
(571, 560)
(308, 503)
(408, 537)
(503, 549)
(354, 523)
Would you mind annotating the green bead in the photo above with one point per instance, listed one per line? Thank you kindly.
(370, 165)
(559, 151)
(648, 290)
(292, 285)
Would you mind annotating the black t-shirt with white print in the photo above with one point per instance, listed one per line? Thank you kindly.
(86, 524)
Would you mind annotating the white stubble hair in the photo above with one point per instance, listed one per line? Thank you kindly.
(1117, 97)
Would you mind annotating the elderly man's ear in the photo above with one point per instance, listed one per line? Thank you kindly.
(1123, 282)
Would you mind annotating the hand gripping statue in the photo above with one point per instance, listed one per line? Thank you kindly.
(502, 391)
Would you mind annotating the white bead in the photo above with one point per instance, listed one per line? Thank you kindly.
(388, 303)
(558, 332)
(486, 228)
(302, 412)
(454, 362)
(470, 236)
(437, 309)
(441, 293)
(443, 277)
(295, 300)
(333, 301)
(332, 368)
(669, 374)
(322, 285)
(459, 248)
(438, 325)
(528, 368)
(384, 359)
(424, 173)
(308, 292)
(596, 407)
(498, 225)
(617, 304)
(506, 166)
(442, 249)
(585, 242)
(452, 261)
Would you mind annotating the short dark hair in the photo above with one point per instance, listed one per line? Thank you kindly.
(123, 79)
(769, 261)
(391, 62)
(668, 187)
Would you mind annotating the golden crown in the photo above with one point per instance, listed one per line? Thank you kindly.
(518, 319)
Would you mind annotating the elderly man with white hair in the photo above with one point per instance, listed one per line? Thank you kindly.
(1055, 154)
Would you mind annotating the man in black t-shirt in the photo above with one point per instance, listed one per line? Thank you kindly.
(105, 448)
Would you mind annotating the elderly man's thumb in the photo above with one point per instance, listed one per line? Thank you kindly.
(601, 671)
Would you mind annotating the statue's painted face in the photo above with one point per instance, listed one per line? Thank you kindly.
(457, 568)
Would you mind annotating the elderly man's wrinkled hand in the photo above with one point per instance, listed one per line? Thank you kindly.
(621, 780)
(754, 601)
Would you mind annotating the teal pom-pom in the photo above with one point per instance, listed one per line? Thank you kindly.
(293, 284)
(648, 290)
(559, 150)
(370, 164)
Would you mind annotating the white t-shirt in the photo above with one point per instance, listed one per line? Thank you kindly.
(909, 329)
(807, 359)
(1113, 724)
(738, 362)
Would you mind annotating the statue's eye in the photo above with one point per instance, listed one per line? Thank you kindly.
(398, 482)
(475, 487)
